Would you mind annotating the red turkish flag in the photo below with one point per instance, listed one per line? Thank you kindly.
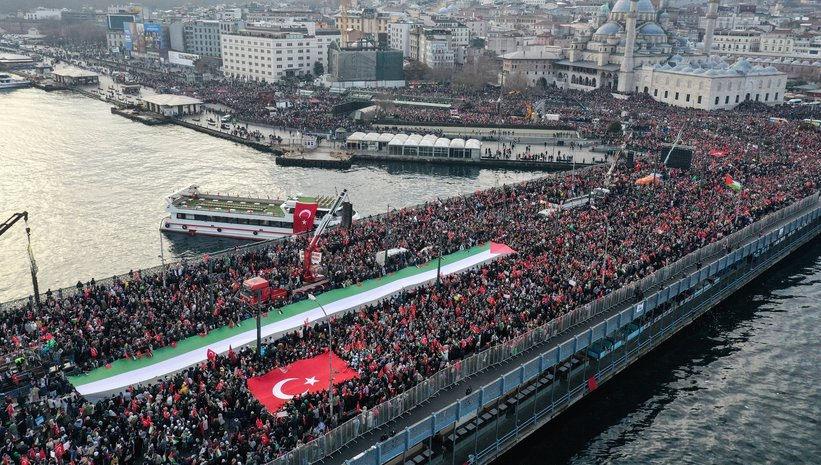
(304, 214)
(211, 354)
(275, 388)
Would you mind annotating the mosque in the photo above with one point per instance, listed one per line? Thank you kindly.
(629, 51)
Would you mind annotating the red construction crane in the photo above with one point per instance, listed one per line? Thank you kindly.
(308, 275)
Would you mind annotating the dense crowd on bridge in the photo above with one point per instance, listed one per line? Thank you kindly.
(205, 414)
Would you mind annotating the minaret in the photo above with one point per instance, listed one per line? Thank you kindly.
(627, 63)
(712, 14)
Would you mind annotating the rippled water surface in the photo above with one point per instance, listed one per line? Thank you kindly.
(740, 386)
(95, 183)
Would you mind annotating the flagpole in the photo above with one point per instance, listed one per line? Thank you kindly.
(330, 357)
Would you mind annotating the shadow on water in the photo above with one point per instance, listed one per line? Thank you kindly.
(643, 391)
(185, 246)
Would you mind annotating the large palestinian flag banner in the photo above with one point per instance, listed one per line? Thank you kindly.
(275, 388)
(195, 349)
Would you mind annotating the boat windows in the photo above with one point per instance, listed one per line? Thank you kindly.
(180, 216)
(244, 221)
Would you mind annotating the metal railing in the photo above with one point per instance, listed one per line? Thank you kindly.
(405, 402)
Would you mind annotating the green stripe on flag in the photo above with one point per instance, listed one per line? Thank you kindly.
(197, 342)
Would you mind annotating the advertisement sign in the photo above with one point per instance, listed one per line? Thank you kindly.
(145, 39)
(182, 59)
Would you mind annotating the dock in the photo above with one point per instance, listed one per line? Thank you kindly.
(149, 119)
(321, 157)
(261, 146)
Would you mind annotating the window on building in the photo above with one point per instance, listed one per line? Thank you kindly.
(716, 101)
(726, 99)
(687, 98)
(676, 95)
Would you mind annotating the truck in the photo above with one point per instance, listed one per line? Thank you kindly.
(258, 290)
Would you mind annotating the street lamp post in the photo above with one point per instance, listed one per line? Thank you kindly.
(330, 356)
(439, 265)
(387, 236)
(259, 323)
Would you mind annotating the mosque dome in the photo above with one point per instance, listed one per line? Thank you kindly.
(608, 29)
(644, 6)
(651, 29)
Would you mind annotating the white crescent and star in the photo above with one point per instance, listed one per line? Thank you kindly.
(277, 389)
(305, 217)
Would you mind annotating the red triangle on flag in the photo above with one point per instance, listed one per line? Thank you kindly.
(497, 248)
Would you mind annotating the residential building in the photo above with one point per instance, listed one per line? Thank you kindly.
(432, 46)
(399, 36)
(367, 21)
(737, 41)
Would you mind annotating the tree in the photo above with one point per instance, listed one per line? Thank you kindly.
(319, 70)
(439, 74)
(480, 70)
(516, 81)
(416, 70)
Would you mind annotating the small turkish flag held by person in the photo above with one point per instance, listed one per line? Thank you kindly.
(211, 354)
(304, 214)
(275, 388)
(592, 384)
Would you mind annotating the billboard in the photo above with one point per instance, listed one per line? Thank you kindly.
(145, 39)
(182, 59)
(117, 21)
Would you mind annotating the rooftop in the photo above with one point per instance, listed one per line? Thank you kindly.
(217, 203)
(530, 55)
(74, 72)
(170, 100)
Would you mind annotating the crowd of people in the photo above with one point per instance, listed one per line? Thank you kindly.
(206, 414)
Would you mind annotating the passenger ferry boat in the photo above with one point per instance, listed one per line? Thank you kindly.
(196, 213)
(8, 82)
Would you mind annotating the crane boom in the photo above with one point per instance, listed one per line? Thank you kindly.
(309, 249)
(5, 226)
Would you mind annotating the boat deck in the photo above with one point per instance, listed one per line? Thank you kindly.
(234, 205)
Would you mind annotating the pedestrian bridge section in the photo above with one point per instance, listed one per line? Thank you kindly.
(577, 352)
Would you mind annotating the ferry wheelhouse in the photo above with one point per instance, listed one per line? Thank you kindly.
(197, 213)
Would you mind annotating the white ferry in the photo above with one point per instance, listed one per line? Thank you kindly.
(8, 82)
(196, 213)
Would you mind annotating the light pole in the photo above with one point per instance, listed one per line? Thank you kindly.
(330, 356)
(387, 236)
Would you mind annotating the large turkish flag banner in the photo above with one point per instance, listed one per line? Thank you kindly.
(304, 214)
(275, 388)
